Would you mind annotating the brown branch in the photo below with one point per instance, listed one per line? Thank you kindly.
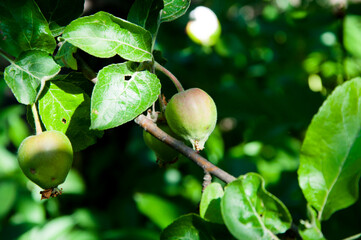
(152, 128)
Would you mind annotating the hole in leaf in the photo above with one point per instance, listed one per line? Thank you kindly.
(63, 120)
(32, 170)
(127, 78)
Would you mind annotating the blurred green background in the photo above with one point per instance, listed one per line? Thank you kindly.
(275, 63)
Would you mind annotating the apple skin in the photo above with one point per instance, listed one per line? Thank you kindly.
(165, 154)
(46, 158)
(192, 115)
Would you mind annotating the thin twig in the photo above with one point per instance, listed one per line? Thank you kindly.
(7, 56)
(152, 128)
(207, 179)
(86, 70)
(175, 81)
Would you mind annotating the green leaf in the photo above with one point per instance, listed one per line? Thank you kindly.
(173, 9)
(7, 197)
(210, 206)
(193, 227)
(61, 11)
(311, 230)
(250, 212)
(214, 147)
(121, 94)
(64, 57)
(104, 35)
(146, 13)
(65, 107)
(28, 74)
(352, 34)
(159, 210)
(330, 161)
(23, 27)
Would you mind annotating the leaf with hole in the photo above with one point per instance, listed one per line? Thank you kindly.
(330, 161)
(250, 212)
(23, 27)
(28, 73)
(121, 94)
(174, 9)
(66, 108)
(104, 35)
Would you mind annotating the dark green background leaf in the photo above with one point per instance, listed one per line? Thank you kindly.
(330, 162)
(26, 75)
(104, 35)
(61, 11)
(193, 227)
(173, 9)
(117, 99)
(250, 212)
(146, 13)
(65, 107)
(23, 27)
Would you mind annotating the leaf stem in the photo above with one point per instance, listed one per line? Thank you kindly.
(152, 128)
(36, 119)
(7, 56)
(175, 81)
(86, 70)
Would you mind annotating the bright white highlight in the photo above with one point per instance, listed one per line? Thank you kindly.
(203, 24)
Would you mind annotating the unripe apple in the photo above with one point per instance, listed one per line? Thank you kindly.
(46, 158)
(192, 115)
(164, 153)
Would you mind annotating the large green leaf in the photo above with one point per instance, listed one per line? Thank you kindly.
(65, 107)
(121, 94)
(210, 205)
(61, 11)
(23, 27)
(193, 227)
(28, 73)
(146, 13)
(330, 162)
(104, 35)
(352, 34)
(161, 211)
(250, 212)
(173, 9)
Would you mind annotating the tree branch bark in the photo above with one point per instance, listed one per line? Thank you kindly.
(152, 128)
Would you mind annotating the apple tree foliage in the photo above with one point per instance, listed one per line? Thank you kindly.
(268, 118)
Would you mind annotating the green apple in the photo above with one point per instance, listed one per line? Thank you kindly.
(46, 158)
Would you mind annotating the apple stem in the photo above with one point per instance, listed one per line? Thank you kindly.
(38, 128)
(175, 81)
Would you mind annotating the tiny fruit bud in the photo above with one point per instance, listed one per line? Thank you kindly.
(46, 158)
(165, 154)
(192, 115)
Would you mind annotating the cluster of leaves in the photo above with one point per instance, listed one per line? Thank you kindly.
(41, 56)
